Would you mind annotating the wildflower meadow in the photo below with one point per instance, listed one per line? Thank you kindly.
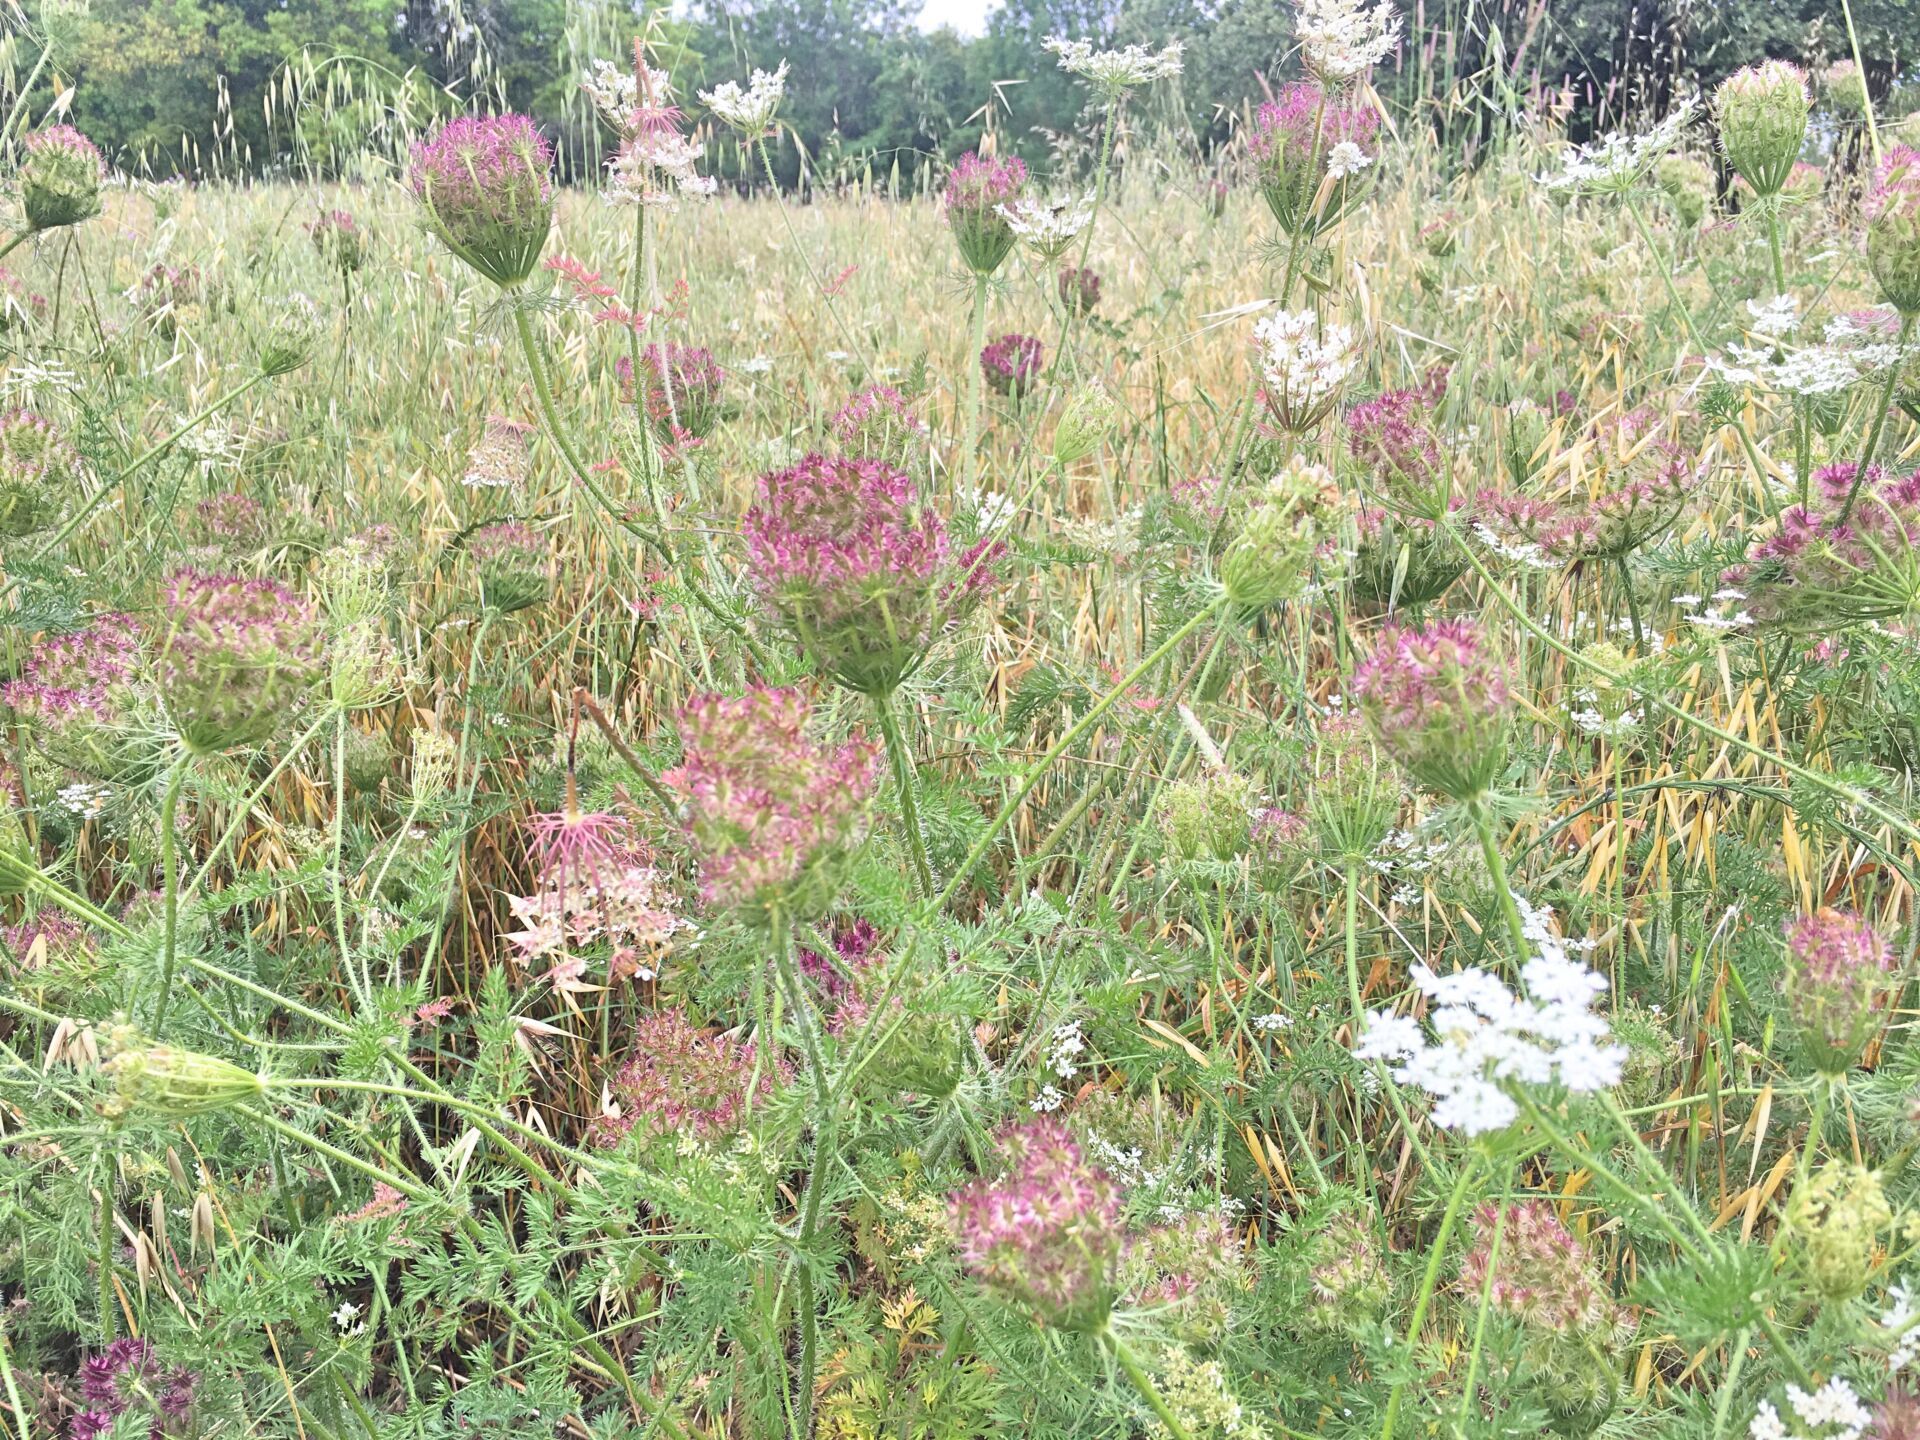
(1165, 793)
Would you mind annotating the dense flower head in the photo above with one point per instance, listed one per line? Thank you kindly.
(1762, 112)
(684, 1081)
(1833, 1224)
(979, 190)
(1897, 1416)
(1341, 40)
(1846, 88)
(773, 814)
(231, 520)
(39, 469)
(1047, 1232)
(49, 937)
(657, 166)
(1437, 698)
(683, 391)
(852, 560)
(80, 681)
(1617, 162)
(1543, 1277)
(128, 1377)
(1115, 70)
(1292, 521)
(1302, 366)
(1048, 226)
(511, 559)
(1817, 569)
(632, 99)
(1294, 142)
(596, 892)
(1390, 436)
(1079, 288)
(60, 174)
(339, 239)
(877, 423)
(1486, 1039)
(1012, 362)
(502, 457)
(841, 981)
(1892, 211)
(483, 185)
(750, 110)
(1348, 1282)
(235, 656)
(1840, 971)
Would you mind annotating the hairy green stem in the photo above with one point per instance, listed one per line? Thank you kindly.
(1429, 1284)
(903, 781)
(170, 880)
(1143, 1383)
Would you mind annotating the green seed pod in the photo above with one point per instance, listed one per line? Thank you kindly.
(1763, 122)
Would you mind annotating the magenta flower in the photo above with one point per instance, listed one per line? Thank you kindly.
(683, 388)
(774, 815)
(235, 657)
(683, 1081)
(1047, 1233)
(483, 184)
(1390, 436)
(1012, 363)
(1840, 972)
(1303, 141)
(232, 520)
(128, 1377)
(50, 937)
(39, 472)
(60, 175)
(857, 566)
(1079, 289)
(878, 424)
(89, 674)
(596, 890)
(1816, 569)
(1437, 699)
(1892, 211)
(977, 187)
(1543, 1278)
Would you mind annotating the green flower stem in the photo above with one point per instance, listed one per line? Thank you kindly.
(977, 331)
(13, 1390)
(1142, 1382)
(170, 872)
(903, 781)
(1497, 872)
(20, 100)
(104, 1259)
(1723, 1407)
(15, 243)
(1429, 1283)
(1580, 1155)
(1666, 273)
(1068, 312)
(1485, 1309)
(1879, 419)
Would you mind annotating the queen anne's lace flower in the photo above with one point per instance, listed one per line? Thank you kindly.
(1115, 71)
(1833, 1412)
(1341, 40)
(1303, 365)
(1485, 1039)
(1049, 226)
(750, 111)
(1616, 162)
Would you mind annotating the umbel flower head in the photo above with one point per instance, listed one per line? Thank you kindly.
(774, 815)
(1892, 210)
(683, 1082)
(39, 469)
(292, 333)
(877, 424)
(1817, 570)
(1086, 421)
(127, 1378)
(1846, 89)
(1079, 289)
(1012, 362)
(1762, 112)
(980, 189)
(1302, 366)
(483, 186)
(683, 388)
(1209, 817)
(340, 241)
(511, 560)
(1113, 72)
(167, 1083)
(1437, 698)
(502, 457)
(1391, 437)
(1047, 1233)
(81, 691)
(1048, 226)
(750, 111)
(235, 657)
(851, 560)
(1309, 150)
(1834, 1222)
(1840, 973)
(1341, 40)
(60, 175)
(1290, 522)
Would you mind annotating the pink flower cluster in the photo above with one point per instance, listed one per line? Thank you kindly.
(770, 810)
(1012, 362)
(877, 424)
(595, 886)
(1437, 698)
(63, 138)
(50, 935)
(1839, 971)
(1047, 1233)
(86, 676)
(1651, 487)
(1543, 1278)
(839, 981)
(1390, 436)
(128, 1376)
(1816, 568)
(236, 656)
(1079, 288)
(232, 518)
(977, 187)
(1295, 140)
(683, 387)
(483, 182)
(683, 1081)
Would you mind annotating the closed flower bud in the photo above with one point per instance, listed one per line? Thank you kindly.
(235, 657)
(59, 178)
(1209, 817)
(1079, 289)
(292, 334)
(364, 669)
(877, 424)
(339, 240)
(511, 560)
(482, 183)
(1834, 1222)
(1763, 123)
(435, 758)
(977, 186)
(1289, 523)
(1085, 423)
(1840, 974)
(1846, 89)
(1892, 210)
(164, 1083)
(39, 470)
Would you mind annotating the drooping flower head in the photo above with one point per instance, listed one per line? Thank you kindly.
(1302, 366)
(1079, 288)
(877, 424)
(60, 174)
(850, 558)
(1762, 112)
(511, 559)
(1840, 972)
(683, 1082)
(1437, 698)
(39, 470)
(1295, 142)
(235, 657)
(978, 187)
(1047, 1233)
(340, 241)
(1012, 362)
(773, 814)
(483, 185)
(684, 388)
(1892, 211)
(1341, 40)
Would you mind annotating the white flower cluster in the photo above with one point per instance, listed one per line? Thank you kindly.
(1063, 1052)
(616, 93)
(1346, 159)
(1722, 613)
(1485, 1038)
(1902, 1319)
(1302, 367)
(1604, 724)
(655, 168)
(1115, 70)
(1615, 161)
(1807, 371)
(1341, 40)
(1776, 318)
(1049, 226)
(1833, 1412)
(750, 111)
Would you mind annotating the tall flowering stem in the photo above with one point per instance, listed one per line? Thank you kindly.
(903, 782)
(170, 882)
(1430, 1285)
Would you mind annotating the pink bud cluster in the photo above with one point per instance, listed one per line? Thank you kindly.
(1437, 698)
(840, 980)
(1079, 288)
(1047, 1233)
(128, 1376)
(52, 935)
(1543, 1277)
(770, 811)
(1839, 972)
(1816, 567)
(236, 656)
(977, 187)
(684, 385)
(683, 1081)
(483, 182)
(339, 240)
(1390, 436)
(1012, 362)
(1293, 144)
(86, 676)
(232, 518)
